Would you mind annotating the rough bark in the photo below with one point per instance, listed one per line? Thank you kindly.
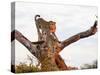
(60, 63)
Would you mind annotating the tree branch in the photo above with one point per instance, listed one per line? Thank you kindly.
(38, 42)
(24, 41)
(79, 36)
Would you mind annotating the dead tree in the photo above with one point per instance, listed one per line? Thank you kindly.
(47, 51)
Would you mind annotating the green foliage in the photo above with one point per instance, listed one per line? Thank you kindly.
(90, 66)
(23, 68)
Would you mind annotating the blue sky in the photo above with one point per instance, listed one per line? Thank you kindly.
(70, 20)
